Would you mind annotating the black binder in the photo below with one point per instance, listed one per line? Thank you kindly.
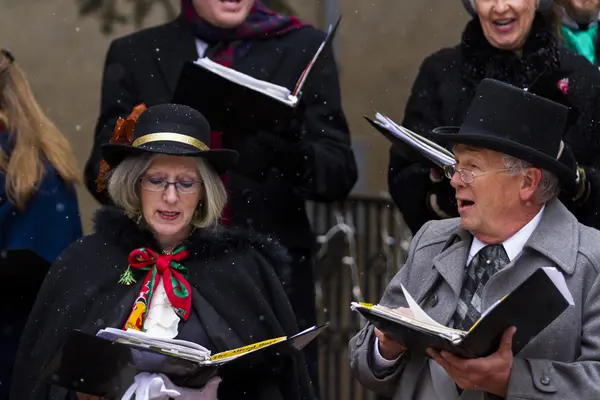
(229, 106)
(531, 307)
(93, 365)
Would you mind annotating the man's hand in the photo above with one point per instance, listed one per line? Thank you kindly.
(388, 347)
(489, 374)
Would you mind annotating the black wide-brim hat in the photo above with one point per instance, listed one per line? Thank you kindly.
(172, 129)
(515, 122)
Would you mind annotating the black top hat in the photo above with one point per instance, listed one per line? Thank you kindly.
(515, 122)
(172, 129)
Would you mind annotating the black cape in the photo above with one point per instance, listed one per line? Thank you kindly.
(237, 299)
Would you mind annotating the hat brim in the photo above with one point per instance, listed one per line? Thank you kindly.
(220, 159)
(450, 134)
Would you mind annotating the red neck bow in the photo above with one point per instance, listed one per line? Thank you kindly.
(174, 277)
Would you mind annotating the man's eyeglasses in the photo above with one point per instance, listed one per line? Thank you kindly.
(466, 175)
(160, 185)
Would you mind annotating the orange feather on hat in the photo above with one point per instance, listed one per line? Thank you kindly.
(123, 133)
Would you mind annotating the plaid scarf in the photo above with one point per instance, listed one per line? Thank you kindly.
(261, 23)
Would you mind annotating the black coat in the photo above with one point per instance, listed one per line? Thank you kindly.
(274, 177)
(236, 300)
(443, 90)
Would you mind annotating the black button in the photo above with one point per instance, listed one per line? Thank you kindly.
(545, 380)
(433, 300)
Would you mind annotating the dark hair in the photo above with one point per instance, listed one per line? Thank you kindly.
(554, 18)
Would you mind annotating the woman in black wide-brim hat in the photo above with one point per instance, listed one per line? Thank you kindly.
(167, 187)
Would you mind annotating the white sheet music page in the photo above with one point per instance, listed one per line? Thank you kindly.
(280, 93)
(433, 151)
(417, 311)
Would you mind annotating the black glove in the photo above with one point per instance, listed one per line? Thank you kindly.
(577, 189)
(411, 190)
(293, 131)
(261, 151)
(441, 197)
(254, 160)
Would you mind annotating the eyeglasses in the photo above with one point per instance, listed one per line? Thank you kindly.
(466, 175)
(160, 185)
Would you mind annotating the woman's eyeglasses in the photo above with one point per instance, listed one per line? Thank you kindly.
(160, 185)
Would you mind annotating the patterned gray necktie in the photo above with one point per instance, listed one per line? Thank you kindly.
(483, 266)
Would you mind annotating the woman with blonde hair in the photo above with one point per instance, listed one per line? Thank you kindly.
(39, 213)
(161, 262)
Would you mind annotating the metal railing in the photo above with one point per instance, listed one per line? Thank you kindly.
(363, 241)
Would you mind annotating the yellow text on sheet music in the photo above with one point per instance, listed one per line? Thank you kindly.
(246, 349)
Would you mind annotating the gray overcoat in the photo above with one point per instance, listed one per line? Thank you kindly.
(563, 362)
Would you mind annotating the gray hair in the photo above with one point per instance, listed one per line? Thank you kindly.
(124, 186)
(548, 187)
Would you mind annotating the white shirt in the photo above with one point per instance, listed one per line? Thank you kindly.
(513, 246)
(161, 321)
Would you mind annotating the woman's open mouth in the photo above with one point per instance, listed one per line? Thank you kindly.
(168, 215)
(504, 25)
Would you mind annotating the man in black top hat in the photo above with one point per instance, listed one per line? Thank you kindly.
(506, 179)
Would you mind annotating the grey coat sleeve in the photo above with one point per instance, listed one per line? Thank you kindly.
(551, 380)
(360, 348)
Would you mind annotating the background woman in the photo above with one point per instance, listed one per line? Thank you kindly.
(39, 213)
(511, 41)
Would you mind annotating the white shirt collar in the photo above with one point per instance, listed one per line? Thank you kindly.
(514, 244)
(201, 47)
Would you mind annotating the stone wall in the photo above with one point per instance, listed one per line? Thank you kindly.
(379, 48)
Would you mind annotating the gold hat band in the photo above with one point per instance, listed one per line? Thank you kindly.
(172, 137)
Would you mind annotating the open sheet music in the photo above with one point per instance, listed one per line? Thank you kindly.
(230, 99)
(279, 93)
(398, 134)
(106, 364)
(531, 307)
